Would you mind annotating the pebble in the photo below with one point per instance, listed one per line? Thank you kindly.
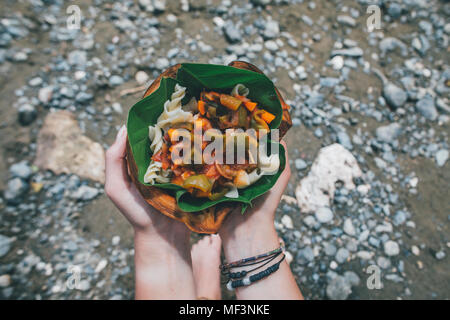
(300, 164)
(391, 248)
(338, 288)
(45, 94)
(441, 157)
(389, 132)
(394, 95)
(232, 33)
(5, 280)
(324, 215)
(440, 255)
(84, 193)
(115, 80)
(15, 189)
(349, 228)
(5, 245)
(426, 108)
(21, 170)
(27, 114)
(341, 255)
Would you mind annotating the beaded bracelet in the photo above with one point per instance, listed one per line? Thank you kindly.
(243, 273)
(240, 263)
(231, 285)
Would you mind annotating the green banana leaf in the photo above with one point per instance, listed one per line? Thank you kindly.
(196, 77)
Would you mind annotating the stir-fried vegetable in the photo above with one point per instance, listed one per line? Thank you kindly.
(230, 102)
(198, 181)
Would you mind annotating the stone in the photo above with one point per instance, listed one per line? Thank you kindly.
(300, 164)
(305, 255)
(389, 132)
(77, 58)
(341, 255)
(5, 245)
(394, 95)
(115, 80)
(324, 215)
(27, 114)
(426, 108)
(21, 170)
(14, 190)
(232, 33)
(287, 222)
(391, 248)
(84, 193)
(62, 148)
(333, 163)
(338, 288)
(45, 95)
(272, 29)
(440, 255)
(5, 280)
(346, 21)
(348, 227)
(354, 52)
(441, 157)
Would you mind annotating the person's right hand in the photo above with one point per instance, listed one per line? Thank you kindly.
(123, 193)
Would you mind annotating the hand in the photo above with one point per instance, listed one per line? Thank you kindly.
(254, 233)
(162, 257)
(126, 197)
(260, 217)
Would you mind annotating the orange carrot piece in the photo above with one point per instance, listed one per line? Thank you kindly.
(250, 105)
(267, 116)
(201, 107)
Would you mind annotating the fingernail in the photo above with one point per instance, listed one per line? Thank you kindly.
(121, 132)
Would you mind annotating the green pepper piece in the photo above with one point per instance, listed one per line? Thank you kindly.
(218, 195)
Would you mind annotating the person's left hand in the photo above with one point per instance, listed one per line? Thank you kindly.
(123, 193)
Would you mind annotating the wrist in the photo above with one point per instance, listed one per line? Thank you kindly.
(245, 241)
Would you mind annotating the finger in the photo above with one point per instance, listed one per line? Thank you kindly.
(117, 179)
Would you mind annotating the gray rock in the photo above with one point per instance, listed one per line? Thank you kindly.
(426, 108)
(348, 227)
(354, 52)
(344, 139)
(45, 94)
(330, 249)
(439, 255)
(395, 96)
(77, 57)
(5, 245)
(300, 164)
(391, 248)
(15, 189)
(441, 157)
(341, 255)
(389, 44)
(388, 133)
(232, 32)
(272, 29)
(346, 21)
(324, 215)
(21, 170)
(339, 288)
(84, 193)
(27, 114)
(352, 278)
(305, 255)
(115, 80)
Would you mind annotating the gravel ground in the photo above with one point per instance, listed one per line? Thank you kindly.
(369, 148)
